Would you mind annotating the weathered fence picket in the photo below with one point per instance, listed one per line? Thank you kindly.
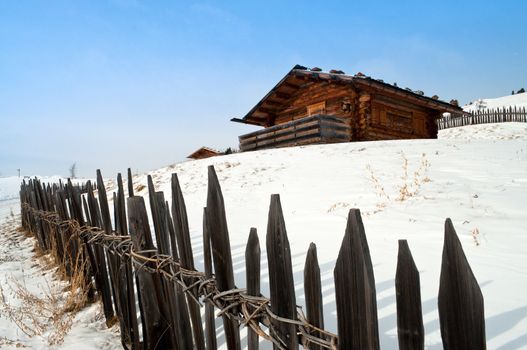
(485, 116)
(221, 252)
(179, 215)
(410, 328)
(281, 283)
(210, 324)
(252, 277)
(460, 300)
(151, 298)
(122, 259)
(313, 291)
(355, 290)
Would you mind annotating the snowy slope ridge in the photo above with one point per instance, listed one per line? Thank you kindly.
(518, 100)
(405, 190)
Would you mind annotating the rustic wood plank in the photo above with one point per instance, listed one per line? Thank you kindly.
(410, 328)
(210, 324)
(281, 283)
(163, 247)
(355, 290)
(313, 293)
(119, 280)
(121, 227)
(113, 260)
(252, 276)
(184, 328)
(130, 183)
(125, 275)
(151, 296)
(106, 220)
(461, 309)
(221, 252)
(179, 215)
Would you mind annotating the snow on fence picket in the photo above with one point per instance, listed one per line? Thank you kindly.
(169, 291)
(484, 117)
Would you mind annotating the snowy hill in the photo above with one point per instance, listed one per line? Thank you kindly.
(405, 189)
(518, 100)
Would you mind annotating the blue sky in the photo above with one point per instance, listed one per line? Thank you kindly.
(141, 84)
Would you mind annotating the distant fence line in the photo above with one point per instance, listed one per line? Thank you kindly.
(485, 116)
(169, 291)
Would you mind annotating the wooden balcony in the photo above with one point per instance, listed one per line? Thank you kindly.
(309, 130)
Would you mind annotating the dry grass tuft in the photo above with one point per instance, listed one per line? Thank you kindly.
(475, 236)
(410, 186)
(49, 312)
(4, 341)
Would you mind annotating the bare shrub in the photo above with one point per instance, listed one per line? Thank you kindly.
(410, 185)
(49, 312)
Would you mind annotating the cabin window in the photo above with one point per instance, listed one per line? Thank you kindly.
(399, 118)
(317, 108)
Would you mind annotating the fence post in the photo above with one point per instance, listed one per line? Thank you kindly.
(126, 280)
(252, 263)
(101, 273)
(410, 328)
(461, 311)
(221, 252)
(182, 319)
(113, 260)
(355, 290)
(281, 284)
(130, 183)
(313, 292)
(151, 297)
(159, 214)
(179, 215)
(210, 324)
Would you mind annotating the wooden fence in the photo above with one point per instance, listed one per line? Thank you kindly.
(131, 273)
(486, 116)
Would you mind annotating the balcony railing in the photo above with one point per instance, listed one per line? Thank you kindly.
(308, 130)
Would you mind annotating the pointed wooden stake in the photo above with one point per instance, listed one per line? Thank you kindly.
(461, 311)
(355, 290)
(313, 290)
(252, 267)
(281, 283)
(410, 328)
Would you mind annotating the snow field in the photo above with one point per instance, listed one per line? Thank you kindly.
(475, 175)
(478, 178)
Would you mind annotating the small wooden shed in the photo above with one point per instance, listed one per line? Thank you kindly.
(204, 152)
(310, 106)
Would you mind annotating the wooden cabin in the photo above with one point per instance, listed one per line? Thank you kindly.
(204, 152)
(309, 106)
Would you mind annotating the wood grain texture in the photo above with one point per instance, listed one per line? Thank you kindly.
(182, 318)
(281, 283)
(210, 323)
(179, 215)
(252, 276)
(355, 290)
(313, 292)
(151, 292)
(221, 251)
(410, 330)
(460, 302)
